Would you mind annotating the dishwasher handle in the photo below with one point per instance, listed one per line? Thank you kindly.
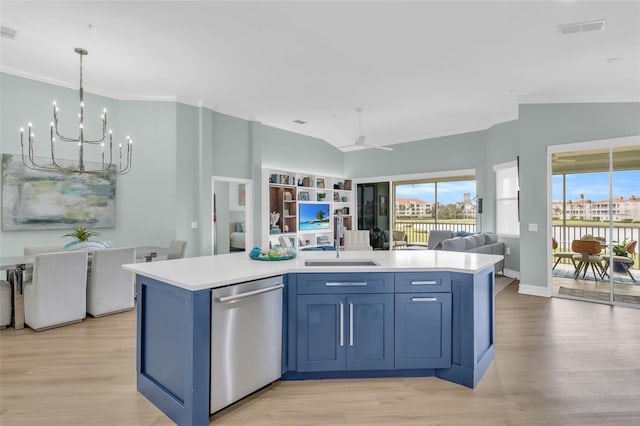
(229, 299)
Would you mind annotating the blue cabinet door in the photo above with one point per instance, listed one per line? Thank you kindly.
(345, 332)
(370, 332)
(321, 332)
(423, 330)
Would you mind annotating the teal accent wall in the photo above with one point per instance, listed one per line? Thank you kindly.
(462, 151)
(503, 146)
(292, 151)
(146, 207)
(142, 218)
(231, 142)
(541, 125)
(188, 166)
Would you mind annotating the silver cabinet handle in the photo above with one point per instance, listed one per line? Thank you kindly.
(424, 299)
(350, 324)
(229, 299)
(341, 324)
(346, 284)
(431, 282)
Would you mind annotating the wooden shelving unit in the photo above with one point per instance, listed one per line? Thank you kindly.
(287, 190)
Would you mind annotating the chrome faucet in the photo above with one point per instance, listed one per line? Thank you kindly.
(339, 233)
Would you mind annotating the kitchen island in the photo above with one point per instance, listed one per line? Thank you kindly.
(404, 314)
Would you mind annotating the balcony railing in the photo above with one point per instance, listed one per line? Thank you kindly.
(418, 232)
(564, 235)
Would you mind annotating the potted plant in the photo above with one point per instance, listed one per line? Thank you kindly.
(81, 237)
(619, 250)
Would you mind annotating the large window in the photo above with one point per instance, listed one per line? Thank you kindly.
(425, 204)
(507, 220)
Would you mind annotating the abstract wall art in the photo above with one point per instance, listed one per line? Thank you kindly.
(34, 200)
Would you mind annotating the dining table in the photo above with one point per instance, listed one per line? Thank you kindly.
(16, 265)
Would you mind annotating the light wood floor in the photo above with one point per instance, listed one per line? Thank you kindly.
(558, 362)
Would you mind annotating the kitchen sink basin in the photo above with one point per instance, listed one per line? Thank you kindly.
(340, 262)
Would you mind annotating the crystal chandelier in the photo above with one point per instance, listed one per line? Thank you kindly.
(79, 167)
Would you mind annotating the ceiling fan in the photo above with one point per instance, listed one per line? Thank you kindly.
(359, 141)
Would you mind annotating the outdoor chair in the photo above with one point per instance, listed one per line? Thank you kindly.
(399, 239)
(588, 254)
(562, 255)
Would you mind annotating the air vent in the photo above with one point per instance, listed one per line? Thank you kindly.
(581, 27)
(299, 122)
(8, 32)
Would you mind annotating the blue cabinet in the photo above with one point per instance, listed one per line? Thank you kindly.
(423, 330)
(339, 332)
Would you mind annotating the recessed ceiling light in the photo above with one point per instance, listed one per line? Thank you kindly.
(299, 122)
(614, 60)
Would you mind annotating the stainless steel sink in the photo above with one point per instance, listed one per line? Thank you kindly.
(340, 262)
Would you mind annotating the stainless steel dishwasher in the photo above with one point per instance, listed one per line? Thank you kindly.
(246, 339)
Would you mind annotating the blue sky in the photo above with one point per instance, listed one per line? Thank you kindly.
(595, 186)
(448, 192)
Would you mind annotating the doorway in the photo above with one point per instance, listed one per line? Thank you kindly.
(231, 207)
(595, 221)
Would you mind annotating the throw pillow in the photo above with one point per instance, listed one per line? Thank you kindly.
(470, 242)
(479, 239)
(490, 237)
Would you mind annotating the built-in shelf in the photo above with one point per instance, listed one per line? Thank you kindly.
(287, 191)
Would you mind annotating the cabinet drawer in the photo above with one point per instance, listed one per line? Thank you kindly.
(345, 283)
(419, 282)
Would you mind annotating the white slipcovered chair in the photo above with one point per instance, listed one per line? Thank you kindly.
(5, 303)
(110, 289)
(57, 293)
(33, 250)
(177, 249)
(357, 240)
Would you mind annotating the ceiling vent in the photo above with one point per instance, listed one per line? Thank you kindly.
(7, 32)
(299, 122)
(582, 27)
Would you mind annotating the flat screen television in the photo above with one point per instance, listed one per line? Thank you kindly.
(313, 217)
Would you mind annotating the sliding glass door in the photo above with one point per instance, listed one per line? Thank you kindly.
(625, 217)
(596, 217)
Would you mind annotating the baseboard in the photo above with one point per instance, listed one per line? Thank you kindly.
(534, 290)
(511, 273)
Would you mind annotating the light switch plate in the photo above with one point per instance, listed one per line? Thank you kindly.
(194, 225)
(533, 227)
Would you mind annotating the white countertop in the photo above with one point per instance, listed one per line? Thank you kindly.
(199, 273)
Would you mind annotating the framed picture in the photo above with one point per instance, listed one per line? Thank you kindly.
(37, 200)
(242, 194)
(320, 183)
(383, 206)
(303, 196)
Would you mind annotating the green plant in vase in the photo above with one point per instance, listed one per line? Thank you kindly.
(81, 241)
(81, 234)
(620, 249)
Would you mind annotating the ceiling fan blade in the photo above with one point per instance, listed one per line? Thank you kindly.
(352, 147)
(384, 148)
